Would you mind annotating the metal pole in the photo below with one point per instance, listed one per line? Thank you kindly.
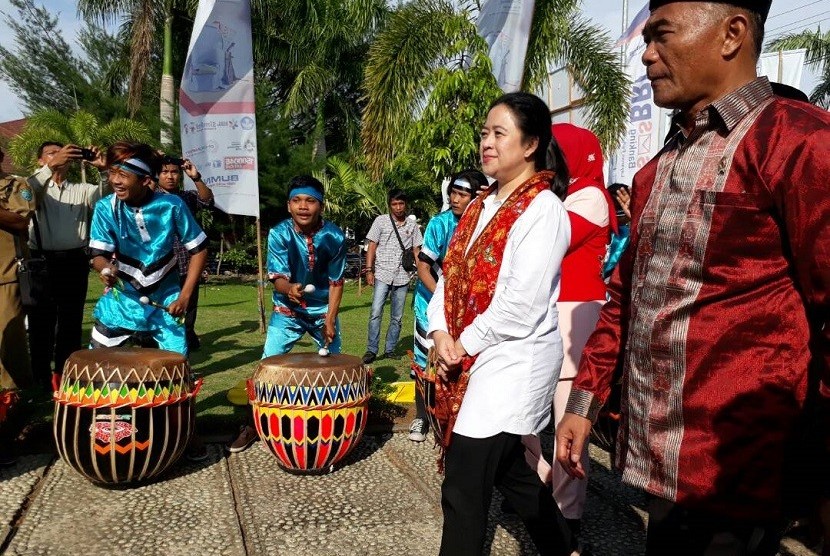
(624, 28)
(261, 279)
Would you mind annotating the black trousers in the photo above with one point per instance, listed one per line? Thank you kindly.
(677, 531)
(473, 467)
(55, 329)
(190, 317)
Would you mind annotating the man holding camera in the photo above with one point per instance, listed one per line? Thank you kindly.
(59, 232)
(170, 182)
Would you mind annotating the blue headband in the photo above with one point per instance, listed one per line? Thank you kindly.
(307, 190)
(136, 166)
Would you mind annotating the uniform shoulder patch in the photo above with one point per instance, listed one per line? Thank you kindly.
(26, 192)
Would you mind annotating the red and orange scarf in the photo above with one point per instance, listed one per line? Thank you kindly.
(470, 281)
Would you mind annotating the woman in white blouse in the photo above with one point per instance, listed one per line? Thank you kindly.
(494, 322)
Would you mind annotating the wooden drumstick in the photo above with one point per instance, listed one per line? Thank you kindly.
(147, 301)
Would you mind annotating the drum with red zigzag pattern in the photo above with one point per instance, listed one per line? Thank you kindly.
(310, 411)
(124, 415)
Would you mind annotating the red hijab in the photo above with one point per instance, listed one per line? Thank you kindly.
(583, 155)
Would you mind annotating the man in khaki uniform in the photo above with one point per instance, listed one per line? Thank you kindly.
(17, 203)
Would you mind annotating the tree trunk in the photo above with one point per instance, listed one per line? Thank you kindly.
(318, 151)
(167, 96)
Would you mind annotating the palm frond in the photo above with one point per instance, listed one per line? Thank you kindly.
(561, 36)
(84, 128)
(123, 129)
(400, 58)
(815, 42)
(311, 84)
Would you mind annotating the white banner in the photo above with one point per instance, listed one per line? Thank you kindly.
(216, 105)
(785, 66)
(505, 25)
(644, 131)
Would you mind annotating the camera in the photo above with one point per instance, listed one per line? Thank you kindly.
(171, 160)
(87, 154)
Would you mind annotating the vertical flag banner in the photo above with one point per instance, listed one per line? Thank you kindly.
(785, 66)
(505, 25)
(644, 130)
(216, 105)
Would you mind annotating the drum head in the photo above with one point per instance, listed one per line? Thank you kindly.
(303, 369)
(125, 358)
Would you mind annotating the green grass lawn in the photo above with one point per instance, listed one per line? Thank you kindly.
(228, 325)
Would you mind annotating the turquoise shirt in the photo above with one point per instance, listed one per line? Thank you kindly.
(318, 259)
(140, 238)
(436, 240)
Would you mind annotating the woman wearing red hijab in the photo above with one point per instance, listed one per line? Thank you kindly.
(592, 216)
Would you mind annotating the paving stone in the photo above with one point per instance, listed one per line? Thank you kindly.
(189, 510)
(367, 506)
(16, 483)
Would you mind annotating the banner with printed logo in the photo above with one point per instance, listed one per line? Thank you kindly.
(216, 105)
(647, 122)
(505, 25)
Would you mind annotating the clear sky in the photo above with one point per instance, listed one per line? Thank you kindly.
(784, 17)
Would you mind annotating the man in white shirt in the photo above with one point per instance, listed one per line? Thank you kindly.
(59, 232)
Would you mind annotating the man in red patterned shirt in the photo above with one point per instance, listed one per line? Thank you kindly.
(718, 309)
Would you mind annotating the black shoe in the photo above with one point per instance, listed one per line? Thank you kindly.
(7, 458)
(368, 357)
(389, 355)
(194, 344)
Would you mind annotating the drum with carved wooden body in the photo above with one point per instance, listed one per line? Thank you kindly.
(310, 411)
(124, 415)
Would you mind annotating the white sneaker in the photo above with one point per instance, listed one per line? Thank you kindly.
(417, 430)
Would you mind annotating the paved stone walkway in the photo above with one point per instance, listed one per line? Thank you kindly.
(384, 501)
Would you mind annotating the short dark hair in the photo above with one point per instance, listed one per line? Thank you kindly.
(755, 22)
(48, 144)
(396, 195)
(532, 117)
(306, 181)
(474, 177)
(123, 150)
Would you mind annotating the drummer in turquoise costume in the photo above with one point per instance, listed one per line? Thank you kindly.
(306, 262)
(131, 245)
(460, 191)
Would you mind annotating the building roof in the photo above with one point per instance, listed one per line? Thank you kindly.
(9, 130)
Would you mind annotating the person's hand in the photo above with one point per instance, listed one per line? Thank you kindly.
(191, 171)
(179, 306)
(448, 358)
(571, 435)
(67, 154)
(329, 331)
(108, 276)
(459, 349)
(99, 158)
(624, 198)
(295, 293)
(370, 277)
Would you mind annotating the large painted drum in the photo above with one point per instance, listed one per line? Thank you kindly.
(124, 415)
(310, 411)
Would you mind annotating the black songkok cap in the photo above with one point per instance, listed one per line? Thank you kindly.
(760, 7)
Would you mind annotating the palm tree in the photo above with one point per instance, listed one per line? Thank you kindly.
(313, 51)
(428, 42)
(354, 199)
(817, 45)
(143, 21)
(79, 128)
